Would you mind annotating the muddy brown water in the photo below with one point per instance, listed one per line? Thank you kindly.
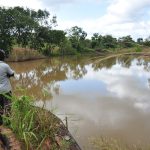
(109, 98)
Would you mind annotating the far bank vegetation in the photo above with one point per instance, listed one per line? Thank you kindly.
(23, 30)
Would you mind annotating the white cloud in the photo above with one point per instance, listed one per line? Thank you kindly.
(128, 86)
(128, 10)
(35, 4)
(62, 2)
(56, 2)
(123, 17)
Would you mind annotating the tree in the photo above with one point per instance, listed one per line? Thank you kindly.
(126, 41)
(24, 27)
(6, 34)
(77, 36)
(100, 42)
(109, 42)
(96, 41)
(147, 41)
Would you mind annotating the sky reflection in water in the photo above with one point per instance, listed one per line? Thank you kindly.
(111, 100)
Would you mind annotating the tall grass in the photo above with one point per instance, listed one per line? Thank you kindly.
(33, 126)
(22, 54)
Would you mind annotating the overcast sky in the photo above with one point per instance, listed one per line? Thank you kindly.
(115, 17)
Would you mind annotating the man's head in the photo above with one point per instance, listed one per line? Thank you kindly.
(2, 55)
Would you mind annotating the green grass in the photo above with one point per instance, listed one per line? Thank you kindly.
(34, 127)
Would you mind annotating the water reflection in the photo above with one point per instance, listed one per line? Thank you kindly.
(110, 98)
(42, 76)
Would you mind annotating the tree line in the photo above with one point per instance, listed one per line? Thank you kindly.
(35, 30)
(28, 28)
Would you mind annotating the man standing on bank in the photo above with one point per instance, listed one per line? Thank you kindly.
(5, 87)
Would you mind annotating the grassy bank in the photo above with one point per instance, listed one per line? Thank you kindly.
(37, 128)
(23, 54)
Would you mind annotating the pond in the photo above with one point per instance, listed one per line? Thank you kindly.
(109, 98)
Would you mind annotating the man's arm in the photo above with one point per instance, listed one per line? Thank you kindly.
(10, 72)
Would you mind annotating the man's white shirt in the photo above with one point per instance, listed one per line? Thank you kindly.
(5, 70)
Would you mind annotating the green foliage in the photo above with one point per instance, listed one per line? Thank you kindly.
(6, 38)
(109, 42)
(66, 48)
(21, 119)
(96, 41)
(126, 42)
(23, 27)
(147, 42)
(32, 29)
(76, 36)
(138, 48)
(31, 125)
(103, 42)
(52, 38)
